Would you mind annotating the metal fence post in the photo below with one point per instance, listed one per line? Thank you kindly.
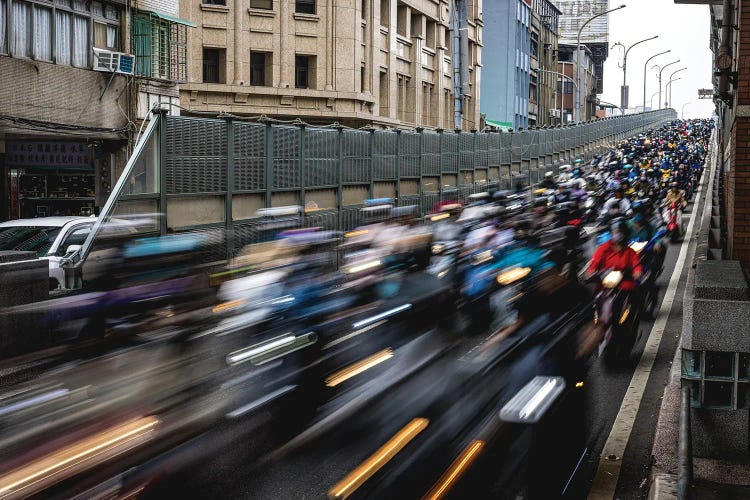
(302, 169)
(229, 221)
(269, 164)
(163, 208)
(420, 148)
(372, 163)
(340, 187)
(398, 166)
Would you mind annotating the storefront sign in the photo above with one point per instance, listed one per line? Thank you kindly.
(47, 154)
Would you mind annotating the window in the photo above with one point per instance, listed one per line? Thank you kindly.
(430, 38)
(260, 69)
(62, 34)
(261, 4)
(401, 20)
(302, 72)
(383, 94)
(77, 237)
(215, 2)
(385, 12)
(447, 39)
(568, 87)
(428, 112)
(211, 58)
(403, 82)
(305, 6)
(160, 48)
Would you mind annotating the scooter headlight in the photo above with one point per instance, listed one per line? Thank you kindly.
(638, 246)
(512, 275)
(589, 203)
(612, 279)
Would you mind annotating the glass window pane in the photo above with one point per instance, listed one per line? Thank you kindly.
(81, 46)
(97, 9)
(261, 4)
(743, 396)
(695, 392)
(744, 371)
(20, 43)
(43, 33)
(144, 176)
(718, 394)
(3, 28)
(110, 12)
(80, 5)
(62, 37)
(719, 364)
(691, 363)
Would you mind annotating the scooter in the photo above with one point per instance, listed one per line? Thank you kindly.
(672, 217)
(619, 317)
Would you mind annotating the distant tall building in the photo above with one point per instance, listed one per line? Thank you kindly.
(595, 36)
(544, 49)
(506, 70)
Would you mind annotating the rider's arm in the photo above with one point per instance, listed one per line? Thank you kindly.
(596, 261)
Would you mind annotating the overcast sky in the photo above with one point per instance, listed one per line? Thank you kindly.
(684, 29)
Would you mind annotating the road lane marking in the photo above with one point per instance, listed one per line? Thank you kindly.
(610, 462)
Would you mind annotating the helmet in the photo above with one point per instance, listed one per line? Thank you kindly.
(638, 218)
(548, 175)
(644, 178)
(620, 226)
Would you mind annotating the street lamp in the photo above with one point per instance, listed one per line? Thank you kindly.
(644, 76)
(623, 104)
(669, 96)
(652, 99)
(578, 60)
(669, 89)
(682, 115)
(562, 97)
(661, 69)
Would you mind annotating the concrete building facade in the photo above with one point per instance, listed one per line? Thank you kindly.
(567, 65)
(507, 73)
(389, 63)
(543, 63)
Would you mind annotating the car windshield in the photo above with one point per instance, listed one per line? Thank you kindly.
(37, 239)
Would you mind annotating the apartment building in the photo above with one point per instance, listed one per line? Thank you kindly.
(543, 63)
(507, 76)
(566, 86)
(389, 63)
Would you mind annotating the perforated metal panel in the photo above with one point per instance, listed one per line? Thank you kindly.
(449, 151)
(321, 157)
(466, 151)
(384, 155)
(249, 156)
(351, 217)
(505, 147)
(493, 149)
(430, 153)
(286, 171)
(216, 245)
(408, 154)
(429, 200)
(481, 154)
(326, 219)
(355, 151)
(195, 155)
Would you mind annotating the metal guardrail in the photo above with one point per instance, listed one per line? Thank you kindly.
(685, 448)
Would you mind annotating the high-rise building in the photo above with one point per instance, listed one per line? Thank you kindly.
(543, 67)
(506, 71)
(357, 62)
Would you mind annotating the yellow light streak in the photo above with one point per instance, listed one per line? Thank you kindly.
(376, 461)
(355, 369)
(68, 461)
(451, 476)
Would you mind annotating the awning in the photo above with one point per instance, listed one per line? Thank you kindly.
(505, 126)
(172, 19)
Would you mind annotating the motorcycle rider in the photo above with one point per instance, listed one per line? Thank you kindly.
(675, 196)
(617, 205)
(549, 181)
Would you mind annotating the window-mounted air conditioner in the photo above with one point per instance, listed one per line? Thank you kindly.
(113, 62)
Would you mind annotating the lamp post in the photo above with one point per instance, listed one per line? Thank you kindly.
(578, 60)
(623, 104)
(644, 75)
(669, 96)
(661, 69)
(669, 90)
(651, 101)
(682, 114)
(562, 86)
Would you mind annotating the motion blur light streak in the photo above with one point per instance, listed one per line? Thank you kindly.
(33, 401)
(68, 461)
(364, 267)
(512, 275)
(360, 366)
(438, 217)
(226, 306)
(354, 334)
(455, 471)
(376, 461)
(258, 349)
(378, 317)
(352, 234)
(538, 398)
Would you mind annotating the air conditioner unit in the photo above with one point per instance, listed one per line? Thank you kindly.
(113, 62)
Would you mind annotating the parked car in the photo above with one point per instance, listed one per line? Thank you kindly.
(50, 237)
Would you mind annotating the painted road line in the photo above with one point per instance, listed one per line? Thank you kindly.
(610, 462)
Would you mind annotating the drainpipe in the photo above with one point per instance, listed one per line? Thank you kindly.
(459, 25)
(726, 45)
